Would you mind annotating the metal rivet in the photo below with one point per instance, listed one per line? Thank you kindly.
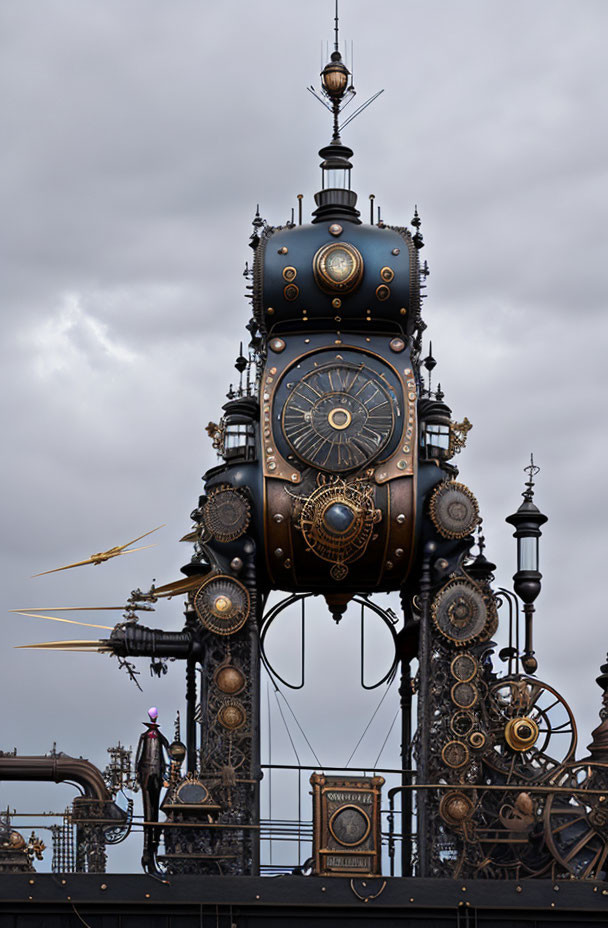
(396, 251)
(272, 466)
(270, 310)
(257, 897)
(403, 310)
(337, 318)
(552, 905)
(277, 517)
(411, 898)
(278, 552)
(104, 886)
(401, 465)
(336, 302)
(236, 563)
(399, 552)
(147, 895)
(273, 370)
(307, 341)
(556, 889)
(283, 250)
(294, 477)
(401, 518)
(31, 882)
(322, 889)
(518, 889)
(389, 565)
(464, 889)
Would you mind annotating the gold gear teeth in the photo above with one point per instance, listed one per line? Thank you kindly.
(226, 514)
(453, 509)
(222, 604)
(462, 613)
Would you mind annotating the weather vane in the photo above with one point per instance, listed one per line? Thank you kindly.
(336, 91)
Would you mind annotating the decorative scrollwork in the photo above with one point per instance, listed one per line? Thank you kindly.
(337, 521)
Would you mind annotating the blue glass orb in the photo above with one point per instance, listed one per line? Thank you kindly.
(339, 518)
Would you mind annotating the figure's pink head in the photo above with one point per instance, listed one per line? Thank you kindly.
(153, 713)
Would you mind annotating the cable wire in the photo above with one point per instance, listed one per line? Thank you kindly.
(366, 729)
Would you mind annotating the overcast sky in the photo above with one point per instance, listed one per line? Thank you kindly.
(138, 138)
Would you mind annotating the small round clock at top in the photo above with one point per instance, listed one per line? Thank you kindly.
(338, 267)
(339, 417)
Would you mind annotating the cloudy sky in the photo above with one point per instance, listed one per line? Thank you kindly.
(138, 138)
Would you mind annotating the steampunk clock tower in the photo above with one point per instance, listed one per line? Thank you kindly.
(337, 479)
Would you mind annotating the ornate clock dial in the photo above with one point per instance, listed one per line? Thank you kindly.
(339, 417)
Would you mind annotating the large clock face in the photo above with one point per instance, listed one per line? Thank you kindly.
(339, 417)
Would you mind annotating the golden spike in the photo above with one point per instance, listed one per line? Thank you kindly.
(102, 556)
(73, 645)
(70, 609)
(56, 618)
(178, 586)
(190, 536)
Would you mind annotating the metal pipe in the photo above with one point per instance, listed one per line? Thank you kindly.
(190, 714)
(405, 693)
(56, 768)
(424, 719)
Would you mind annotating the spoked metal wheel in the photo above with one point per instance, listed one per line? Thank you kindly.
(532, 730)
(576, 824)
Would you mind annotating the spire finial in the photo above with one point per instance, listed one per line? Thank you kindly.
(336, 29)
(532, 470)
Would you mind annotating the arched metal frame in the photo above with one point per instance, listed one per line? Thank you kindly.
(385, 615)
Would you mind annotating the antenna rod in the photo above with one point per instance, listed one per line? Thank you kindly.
(300, 198)
(372, 197)
(336, 28)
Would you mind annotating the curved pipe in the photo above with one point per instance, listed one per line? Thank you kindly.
(56, 768)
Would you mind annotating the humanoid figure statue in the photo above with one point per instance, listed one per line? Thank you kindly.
(150, 767)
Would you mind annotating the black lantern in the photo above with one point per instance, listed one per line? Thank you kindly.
(434, 417)
(527, 580)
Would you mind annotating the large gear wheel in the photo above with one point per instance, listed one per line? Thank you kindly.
(576, 824)
(454, 510)
(226, 514)
(462, 613)
(532, 729)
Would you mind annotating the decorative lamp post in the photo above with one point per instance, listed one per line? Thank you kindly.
(527, 580)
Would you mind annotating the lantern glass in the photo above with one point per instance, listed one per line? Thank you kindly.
(435, 439)
(527, 552)
(336, 179)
